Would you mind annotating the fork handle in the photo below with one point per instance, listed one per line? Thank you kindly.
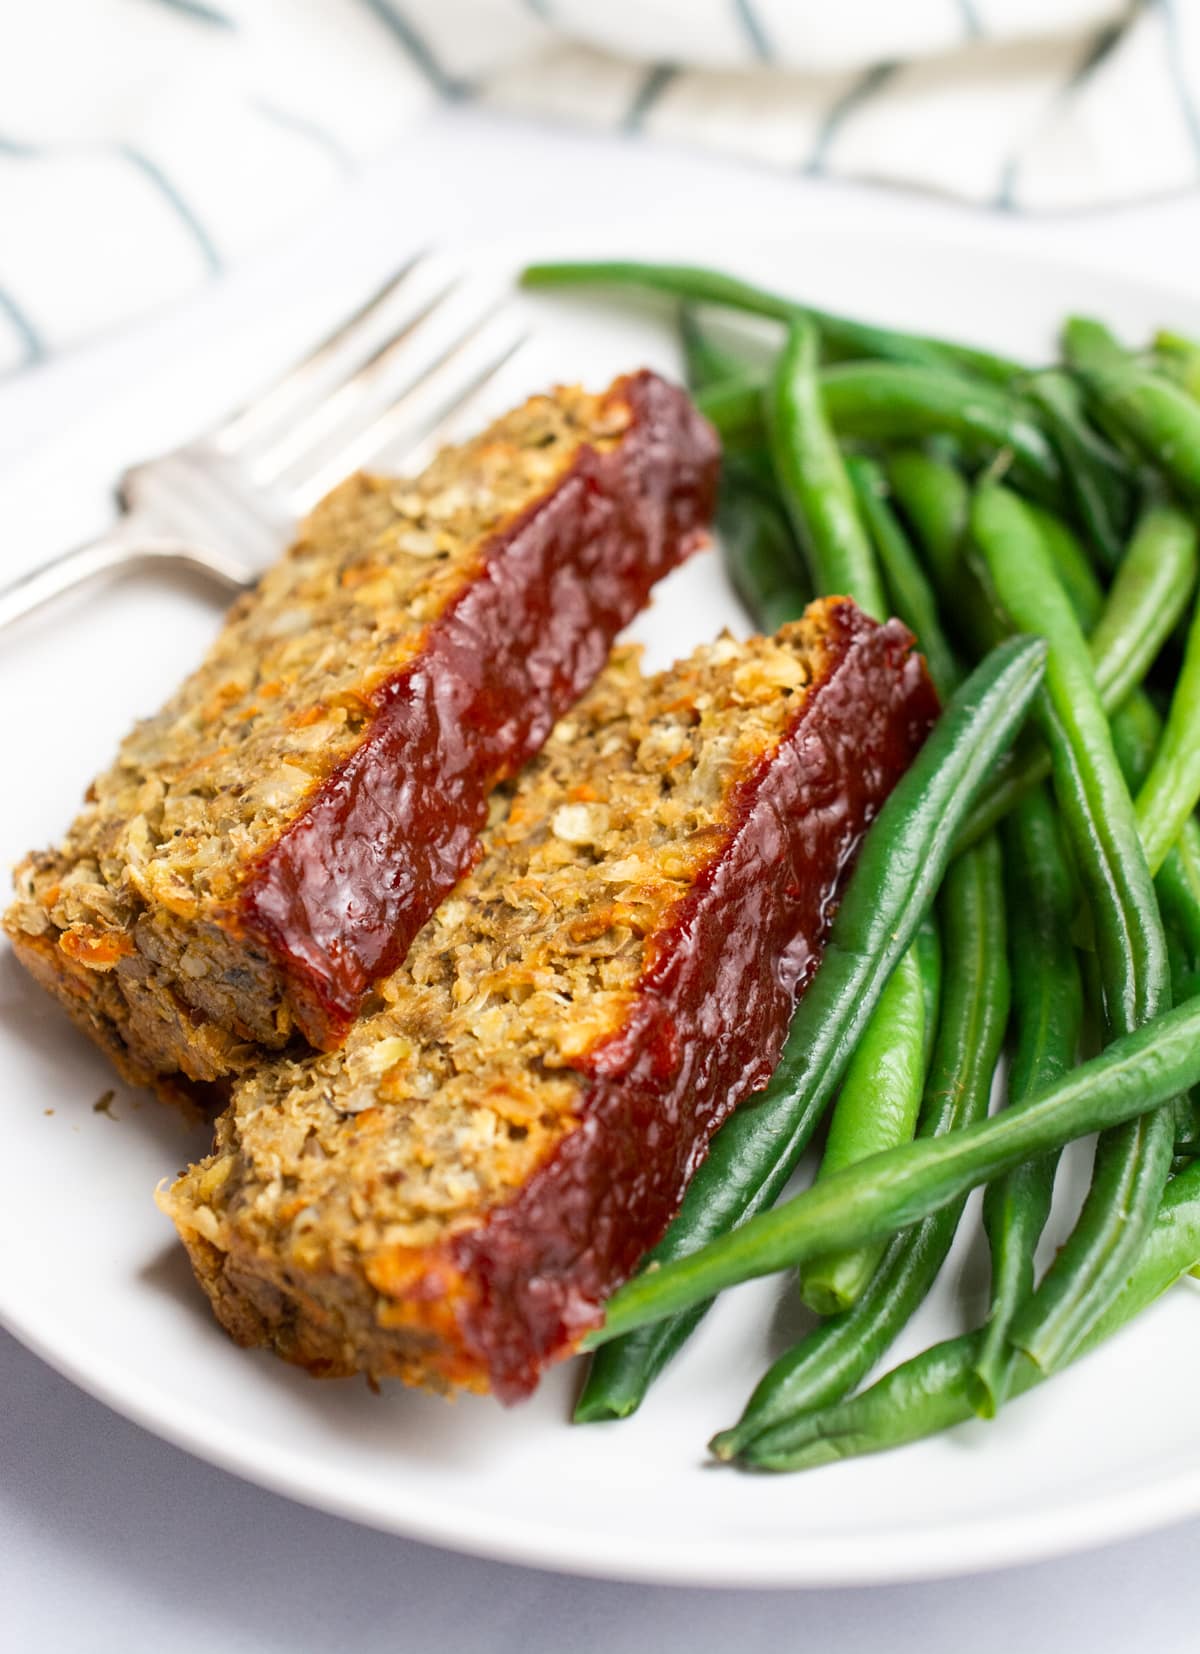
(129, 544)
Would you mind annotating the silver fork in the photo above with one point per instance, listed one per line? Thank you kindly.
(226, 503)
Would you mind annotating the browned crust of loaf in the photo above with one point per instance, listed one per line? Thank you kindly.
(174, 990)
(322, 1325)
(100, 1011)
(412, 1311)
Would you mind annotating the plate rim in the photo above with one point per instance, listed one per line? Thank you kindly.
(928, 1552)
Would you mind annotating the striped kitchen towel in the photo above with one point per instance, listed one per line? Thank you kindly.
(145, 144)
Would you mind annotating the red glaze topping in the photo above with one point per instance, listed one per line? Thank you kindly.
(711, 1016)
(338, 898)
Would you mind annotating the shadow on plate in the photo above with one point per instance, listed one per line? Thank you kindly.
(63, 1071)
(71, 1076)
(412, 1423)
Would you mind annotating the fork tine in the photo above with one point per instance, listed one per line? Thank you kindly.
(400, 451)
(401, 417)
(301, 437)
(279, 398)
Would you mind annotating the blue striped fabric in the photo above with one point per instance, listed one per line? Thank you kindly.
(416, 47)
(303, 126)
(198, 10)
(647, 95)
(842, 110)
(1095, 51)
(972, 22)
(33, 347)
(158, 180)
(1186, 87)
(233, 116)
(750, 21)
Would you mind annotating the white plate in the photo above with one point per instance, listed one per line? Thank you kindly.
(93, 1280)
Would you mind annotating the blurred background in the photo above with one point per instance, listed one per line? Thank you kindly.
(190, 192)
(148, 146)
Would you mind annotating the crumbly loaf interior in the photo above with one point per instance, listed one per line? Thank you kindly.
(446, 1097)
(198, 790)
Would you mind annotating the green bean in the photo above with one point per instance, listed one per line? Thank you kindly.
(1071, 565)
(1137, 1074)
(878, 1288)
(810, 467)
(928, 947)
(899, 867)
(757, 543)
(936, 499)
(1178, 886)
(756, 540)
(1159, 417)
(813, 480)
(895, 402)
(759, 550)
(877, 1108)
(889, 1065)
(695, 283)
(1048, 1012)
(1171, 791)
(892, 402)
(1179, 358)
(912, 597)
(1131, 948)
(704, 286)
(1092, 793)
(888, 1061)
(970, 1034)
(838, 1353)
(1090, 346)
(734, 407)
(1136, 731)
(1149, 595)
(1150, 592)
(1187, 1128)
(707, 362)
(933, 1390)
(1131, 1164)
(1098, 479)
(1153, 415)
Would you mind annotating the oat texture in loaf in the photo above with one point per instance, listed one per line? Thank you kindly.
(139, 920)
(342, 1217)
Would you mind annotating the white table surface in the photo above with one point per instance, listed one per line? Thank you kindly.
(109, 1538)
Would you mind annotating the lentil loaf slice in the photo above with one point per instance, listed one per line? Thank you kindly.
(449, 1198)
(267, 845)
